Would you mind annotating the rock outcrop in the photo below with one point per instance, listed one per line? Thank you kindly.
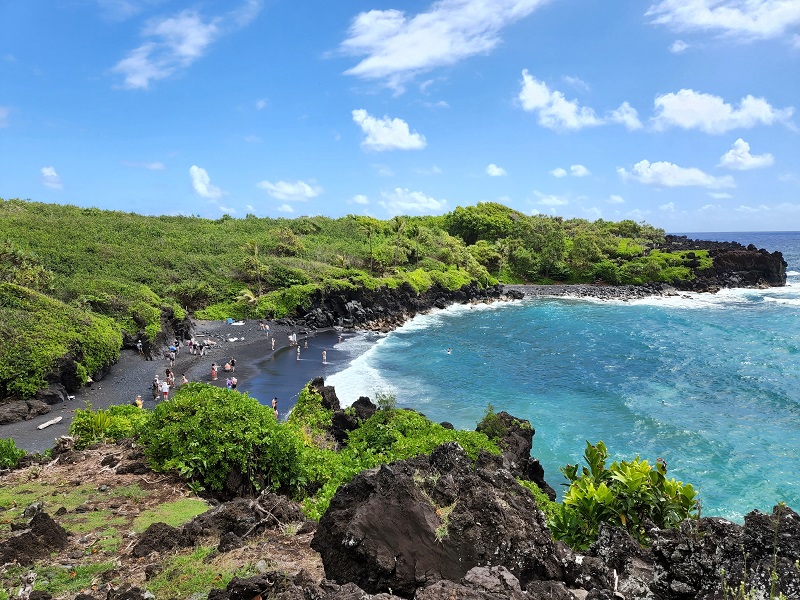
(409, 524)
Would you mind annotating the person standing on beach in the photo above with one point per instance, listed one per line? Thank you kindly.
(275, 408)
(139, 347)
(233, 365)
(165, 390)
(228, 383)
(234, 383)
(184, 381)
(324, 357)
(298, 353)
(273, 343)
(155, 388)
(213, 371)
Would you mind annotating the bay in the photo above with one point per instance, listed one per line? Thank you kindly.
(708, 382)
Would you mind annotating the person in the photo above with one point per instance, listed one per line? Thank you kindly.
(139, 347)
(266, 328)
(234, 383)
(184, 380)
(273, 343)
(324, 357)
(261, 325)
(227, 367)
(233, 365)
(305, 344)
(228, 383)
(165, 390)
(298, 353)
(275, 407)
(213, 371)
(449, 351)
(171, 358)
(138, 402)
(155, 387)
(340, 338)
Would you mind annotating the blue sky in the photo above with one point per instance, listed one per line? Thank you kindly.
(681, 113)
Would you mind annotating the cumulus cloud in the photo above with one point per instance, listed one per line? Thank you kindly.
(402, 201)
(285, 208)
(579, 171)
(719, 195)
(550, 199)
(150, 166)
(51, 179)
(293, 191)
(494, 171)
(626, 115)
(750, 18)
(395, 47)
(261, 104)
(666, 174)
(668, 207)
(558, 172)
(678, 46)
(4, 112)
(695, 110)
(174, 43)
(739, 158)
(359, 199)
(386, 133)
(615, 199)
(558, 113)
(201, 183)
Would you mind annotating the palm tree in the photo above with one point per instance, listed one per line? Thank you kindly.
(398, 225)
(248, 298)
(252, 262)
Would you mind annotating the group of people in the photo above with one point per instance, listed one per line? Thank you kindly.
(160, 388)
(229, 367)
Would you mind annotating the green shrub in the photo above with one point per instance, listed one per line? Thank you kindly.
(206, 433)
(491, 425)
(626, 494)
(96, 426)
(9, 453)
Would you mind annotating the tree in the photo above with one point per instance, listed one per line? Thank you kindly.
(252, 263)
(398, 226)
(249, 299)
(369, 226)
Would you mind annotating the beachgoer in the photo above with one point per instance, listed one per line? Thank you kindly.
(298, 353)
(324, 357)
(139, 347)
(449, 351)
(184, 381)
(213, 371)
(261, 325)
(233, 365)
(274, 403)
(155, 388)
(273, 343)
(228, 383)
(340, 338)
(165, 390)
(138, 402)
(266, 328)
(234, 383)
(275, 409)
(171, 358)
(227, 367)
(305, 344)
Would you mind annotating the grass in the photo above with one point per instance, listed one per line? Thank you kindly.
(195, 571)
(172, 513)
(65, 581)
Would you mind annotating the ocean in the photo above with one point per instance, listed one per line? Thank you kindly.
(708, 382)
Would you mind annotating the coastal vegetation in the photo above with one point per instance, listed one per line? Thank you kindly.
(74, 281)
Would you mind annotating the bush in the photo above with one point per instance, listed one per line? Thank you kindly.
(207, 433)
(9, 454)
(627, 494)
(118, 422)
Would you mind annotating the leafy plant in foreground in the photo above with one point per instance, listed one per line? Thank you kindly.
(628, 494)
(9, 454)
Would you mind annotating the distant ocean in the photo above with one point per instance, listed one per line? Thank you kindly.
(710, 383)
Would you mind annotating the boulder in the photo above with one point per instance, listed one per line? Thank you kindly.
(42, 537)
(409, 524)
(22, 410)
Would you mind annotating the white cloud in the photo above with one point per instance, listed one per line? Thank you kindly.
(51, 179)
(4, 112)
(615, 199)
(719, 195)
(739, 158)
(576, 82)
(150, 166)
(668, 207)
(201, 183)
(383, 170)
(434, 170)
(665, 174)
(174, 43)
(579, 171)
(228, 210)
(387, 134)
(626, 115)
(558, 172)
(261, 104)
(286, 190)
(359, 199)
(494, 171)
(555, 111)
(285, 208)
(695, 110)
(747, 18)
(550, 199)
(401, 201)
(396, 47)
(678, 46)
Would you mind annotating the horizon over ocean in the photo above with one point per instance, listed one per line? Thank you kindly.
(709, 382)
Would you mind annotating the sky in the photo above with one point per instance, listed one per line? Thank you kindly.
(680, 113)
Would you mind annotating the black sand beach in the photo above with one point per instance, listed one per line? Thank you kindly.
(259, 370)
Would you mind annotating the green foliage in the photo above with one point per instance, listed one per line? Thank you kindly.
(627, 494)
(63, 581)
(205, 432)
(37, 331)
(491, 425)
(117, 422)
(550, 508)
(174, 513)
(9, 453)
(310, 418)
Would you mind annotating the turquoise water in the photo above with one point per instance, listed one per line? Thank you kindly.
(710, 383)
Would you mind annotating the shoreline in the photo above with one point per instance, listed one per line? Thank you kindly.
(132, 375)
